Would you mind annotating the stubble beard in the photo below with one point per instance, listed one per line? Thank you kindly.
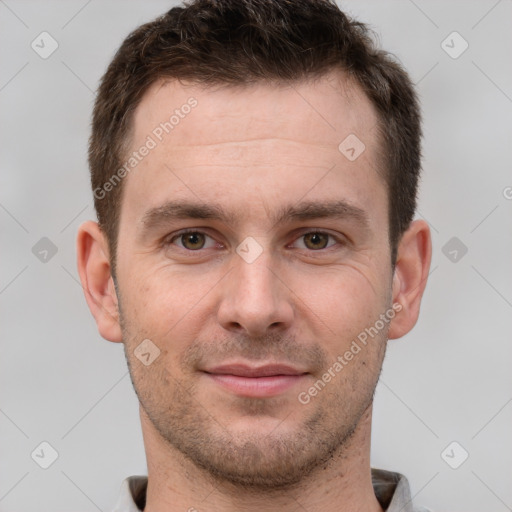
(277, 460)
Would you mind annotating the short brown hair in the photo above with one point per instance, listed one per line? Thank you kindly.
(236, 42)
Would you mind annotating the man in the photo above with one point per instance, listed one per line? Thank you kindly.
(254, 166)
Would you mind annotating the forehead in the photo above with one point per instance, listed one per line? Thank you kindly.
(272, 139)
(321, 112)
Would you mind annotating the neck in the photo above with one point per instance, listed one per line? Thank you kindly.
(343, 484)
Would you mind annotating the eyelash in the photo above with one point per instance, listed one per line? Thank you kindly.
(169, 241)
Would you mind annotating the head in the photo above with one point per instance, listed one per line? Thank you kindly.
(255, 168)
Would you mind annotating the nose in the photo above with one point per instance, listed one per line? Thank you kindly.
(254, 299)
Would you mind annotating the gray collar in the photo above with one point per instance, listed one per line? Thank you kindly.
(391, 489)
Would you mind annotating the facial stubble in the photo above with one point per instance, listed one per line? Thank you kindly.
(279, 459)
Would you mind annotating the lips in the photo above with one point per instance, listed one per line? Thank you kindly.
(257, 382)
(241, 370)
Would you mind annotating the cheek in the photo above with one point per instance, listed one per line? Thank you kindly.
(349, 306)
(343, 302)
(168, 307)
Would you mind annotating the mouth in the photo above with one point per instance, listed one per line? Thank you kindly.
(256, 381)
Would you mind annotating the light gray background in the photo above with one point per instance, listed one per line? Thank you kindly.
(448, 380)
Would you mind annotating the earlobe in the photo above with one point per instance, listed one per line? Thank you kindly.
(410, 276)
(95, 274)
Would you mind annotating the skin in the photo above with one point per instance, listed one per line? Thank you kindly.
(302, 301)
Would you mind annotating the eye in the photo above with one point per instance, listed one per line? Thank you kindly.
(316, 240)
(192, 240)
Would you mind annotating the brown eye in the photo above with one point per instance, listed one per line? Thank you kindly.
(192, 241)
(316, 240)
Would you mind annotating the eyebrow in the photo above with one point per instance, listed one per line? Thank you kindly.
(308, 210)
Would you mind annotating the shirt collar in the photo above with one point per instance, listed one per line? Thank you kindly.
(391, 489)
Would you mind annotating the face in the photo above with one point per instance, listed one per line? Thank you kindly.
(252, 252)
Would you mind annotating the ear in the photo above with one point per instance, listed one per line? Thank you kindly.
(97, 283)
(410, 277)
